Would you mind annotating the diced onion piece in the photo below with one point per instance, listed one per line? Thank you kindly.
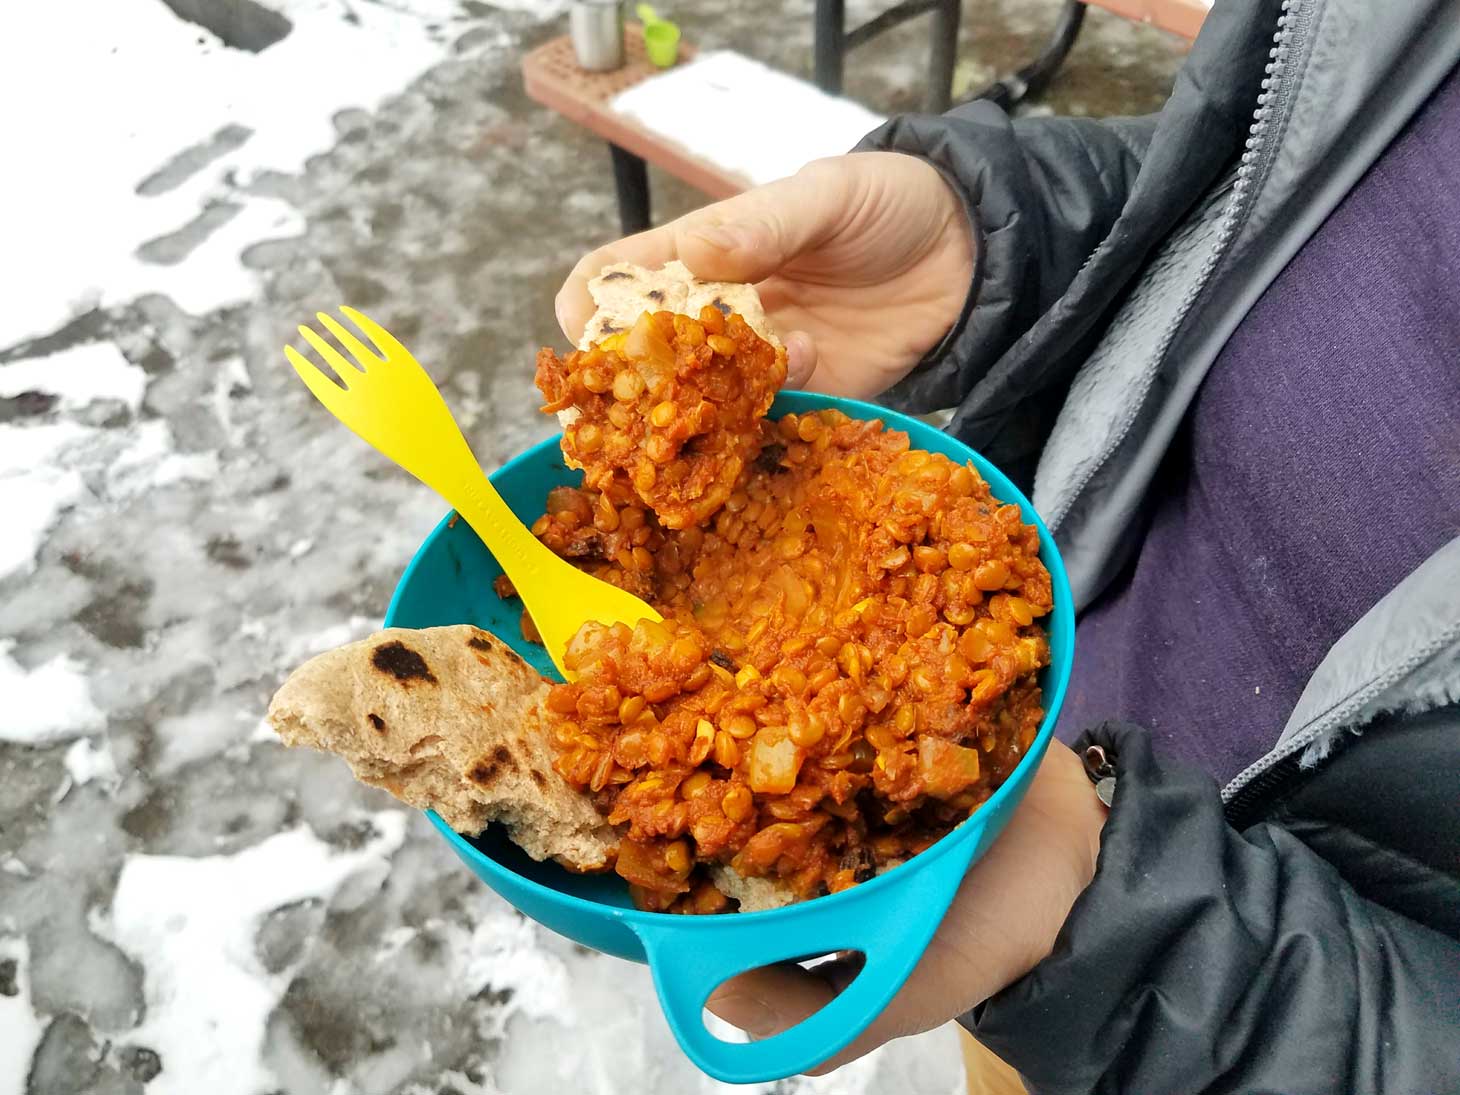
(775, 762)
(645, 345)
(946, 768)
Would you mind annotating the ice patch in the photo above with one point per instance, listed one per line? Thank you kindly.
(392, 941)
(78, 376)
(150, 462)
(46, 704)
(87, 761)
(303, 647)
(504, 953)
(18, 1020)
(795, 122)
(202, 730)
(191, 923)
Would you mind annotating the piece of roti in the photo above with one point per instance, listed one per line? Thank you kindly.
(754, 894)
(446, 719)
(623, 292)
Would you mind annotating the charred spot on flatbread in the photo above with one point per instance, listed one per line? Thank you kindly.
(401, 662)
(376, 721)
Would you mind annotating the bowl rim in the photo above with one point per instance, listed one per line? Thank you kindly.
(1013, 786)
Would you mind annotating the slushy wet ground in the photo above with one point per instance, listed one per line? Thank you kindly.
(184, 905)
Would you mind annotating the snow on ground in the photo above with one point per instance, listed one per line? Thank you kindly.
(88, 760)
(51, 702)
(33, 491)
(138, 93)
(192, 923)
(18, 1021)
(78, 376)
(45, 470)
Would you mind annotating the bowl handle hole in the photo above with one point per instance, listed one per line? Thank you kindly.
(795, 987)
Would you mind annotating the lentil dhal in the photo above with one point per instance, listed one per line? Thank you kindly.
(667, 410)
(847, 664)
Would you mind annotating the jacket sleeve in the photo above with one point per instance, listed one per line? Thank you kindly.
(1040, 194)
(1201, 959)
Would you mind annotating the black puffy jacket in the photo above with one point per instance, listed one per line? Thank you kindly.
(1299, 929)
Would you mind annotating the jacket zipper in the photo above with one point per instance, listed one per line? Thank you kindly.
(1261, 147)
(1257, 156)
(1252, 800)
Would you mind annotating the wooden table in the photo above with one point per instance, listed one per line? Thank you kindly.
(553, 78)
(1183, 17)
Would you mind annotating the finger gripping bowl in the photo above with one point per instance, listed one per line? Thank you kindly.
(890, 919)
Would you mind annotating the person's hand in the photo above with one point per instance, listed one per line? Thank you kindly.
(1002, 922)
(863, 263)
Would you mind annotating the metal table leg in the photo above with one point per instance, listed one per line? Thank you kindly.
(1034, 77)
(631, 182)
(832, 40)
(829, 38)
(945, 51)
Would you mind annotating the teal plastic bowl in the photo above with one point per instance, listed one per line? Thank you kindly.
(890, 919)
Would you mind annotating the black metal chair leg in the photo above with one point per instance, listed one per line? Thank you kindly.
(945, 51)
(1034, 77)
(631, 182)
(829, 38)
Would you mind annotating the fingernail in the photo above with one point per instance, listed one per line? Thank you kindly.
(748, 1013)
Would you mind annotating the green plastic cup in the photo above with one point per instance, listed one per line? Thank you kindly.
(661, 43)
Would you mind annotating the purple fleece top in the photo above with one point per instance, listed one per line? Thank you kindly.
(1318, 466)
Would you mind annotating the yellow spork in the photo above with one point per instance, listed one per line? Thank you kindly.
(391, 402)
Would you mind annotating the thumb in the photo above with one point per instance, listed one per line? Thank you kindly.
(755, 234)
